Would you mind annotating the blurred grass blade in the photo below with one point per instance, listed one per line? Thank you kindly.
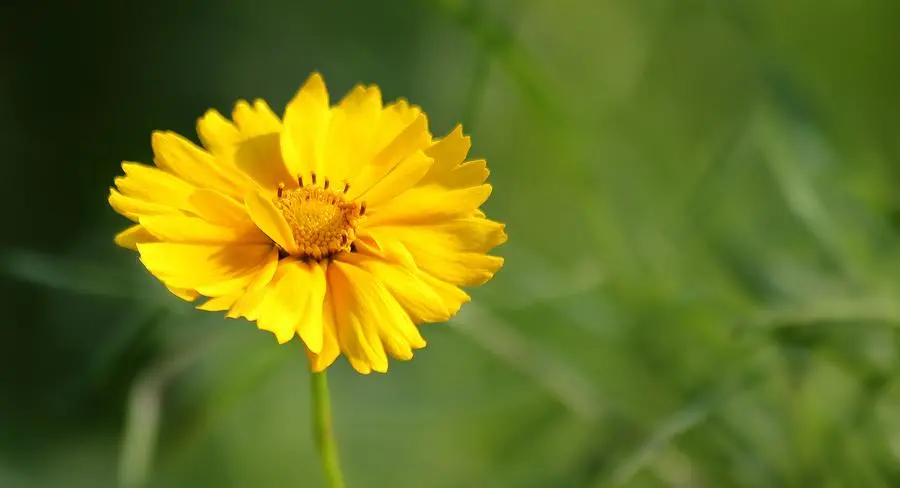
(570, 387)
(654, 447)
(239, 380)
(793, 156)
(497, 39)
(142, 420)
(474, 98)
(541, 282)
(689, 417)
(67, 274)
(836, 309)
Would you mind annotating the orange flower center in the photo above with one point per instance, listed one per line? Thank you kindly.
(322, 221)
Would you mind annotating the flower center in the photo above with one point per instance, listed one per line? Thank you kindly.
(323, 223)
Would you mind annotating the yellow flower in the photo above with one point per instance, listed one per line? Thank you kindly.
(345, 225)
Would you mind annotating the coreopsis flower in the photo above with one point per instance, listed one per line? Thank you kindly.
(346, 225)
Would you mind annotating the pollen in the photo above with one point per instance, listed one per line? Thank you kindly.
(322, 221)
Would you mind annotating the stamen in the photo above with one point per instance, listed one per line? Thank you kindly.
(300, 181)
(322, 221)
(346, 187)
(313, 174)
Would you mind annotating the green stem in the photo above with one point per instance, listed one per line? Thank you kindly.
(324, 435)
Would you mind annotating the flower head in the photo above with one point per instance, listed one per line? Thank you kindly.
(345, 225)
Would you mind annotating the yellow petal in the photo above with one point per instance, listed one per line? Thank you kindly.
(264, 214)
(268, 316)
(452, 296)
(420, 300)
(223, 139)
(378, 242)
(154, 185)
(354, 119)
(266, 274)
(244, 285)
(310, 328)
(270, 309)
(470, 173)
(294, 304)
(390, 249)
(260, 158)
(430, 203)
(197, 265)
(406, 174)
(353, 340)
(463, 269)
(181, 157)
(394, 118)
(413, 138)
(370, 322)
(184, 293)
(226, 287)
(450, 188)
(453, 251)
(462, 234)
(181, 228)
(450, 151)
(247, 305)
(330, 347)
(255, 120)
(134, 208)
(305, 126)
(219, 209)
(219, 304)
(218, 134)
(395, 328)
(130, 237)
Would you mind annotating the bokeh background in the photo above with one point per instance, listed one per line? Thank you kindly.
(702, 285)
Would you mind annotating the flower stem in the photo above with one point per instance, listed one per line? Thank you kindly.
(324, 435)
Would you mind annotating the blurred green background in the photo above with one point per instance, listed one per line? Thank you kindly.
(702, 285)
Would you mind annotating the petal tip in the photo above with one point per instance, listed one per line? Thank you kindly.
(503, 236)
(361, 367)
(280, 336)
(209, 114)
(270, 221)
(421, 122)
(315, 82)
(319, 363)
(157, 136)
(418, 343)
(316, 344)
(460, 134)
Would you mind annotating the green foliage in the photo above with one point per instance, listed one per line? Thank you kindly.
(701, 279)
